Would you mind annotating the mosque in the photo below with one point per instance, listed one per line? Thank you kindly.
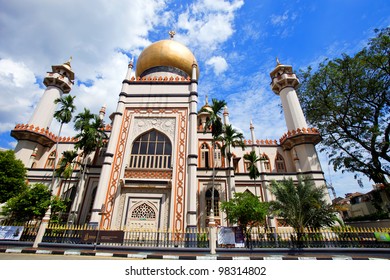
(156, 169)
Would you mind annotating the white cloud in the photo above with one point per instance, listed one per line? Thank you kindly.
(279, 19)
(218, 63)
(207, 23)
(93, 32)
(18, 91)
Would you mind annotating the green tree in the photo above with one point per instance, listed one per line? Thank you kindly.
(63, 116)
(254, 173)
(245, 210)
(302, 205)
(90, 137)
(13, 176)
(348, 99)
(32, 203)
(214, 121)
(230, 138)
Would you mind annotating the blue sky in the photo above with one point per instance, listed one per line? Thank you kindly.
(235, 42)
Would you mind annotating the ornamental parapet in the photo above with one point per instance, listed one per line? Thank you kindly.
(42, 135)
(261, 142)
(300, 136)
(166, 79)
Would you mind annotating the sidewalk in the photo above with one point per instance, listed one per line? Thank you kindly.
(199, 254)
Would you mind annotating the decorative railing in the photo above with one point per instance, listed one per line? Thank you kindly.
(150, 161)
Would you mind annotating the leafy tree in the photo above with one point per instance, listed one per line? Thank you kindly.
(214, 121)
(254, 173)
(246, 210)
(348, 99)
(32, 203)
(230, 138)
(302, 205)
(63, 116)
(13, 176)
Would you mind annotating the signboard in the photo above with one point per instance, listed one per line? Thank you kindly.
(231, 236)
(105, 236)
(11, 232)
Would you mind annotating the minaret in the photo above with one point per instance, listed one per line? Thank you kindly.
(192, 161)
(299, 140)
(58, 82)
(225, 115)
(130, 72)
(35, 135)
(102, 112)
(284, 83)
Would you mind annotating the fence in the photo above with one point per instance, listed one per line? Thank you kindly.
(339, 237)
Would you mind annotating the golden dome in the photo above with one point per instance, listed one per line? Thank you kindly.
(166, 53)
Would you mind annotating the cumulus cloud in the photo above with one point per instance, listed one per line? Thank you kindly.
(218, 63)
(207, 23)
(18, 91)
(95, 33)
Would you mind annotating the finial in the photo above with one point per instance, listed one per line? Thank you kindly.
(277, 61)
(207, 99)
(68, 62)
(172, 33)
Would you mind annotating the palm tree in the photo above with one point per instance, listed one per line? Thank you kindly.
(230, 138)
(302, 205)
(214, 121)
(254, 173)
(91, 136)
(62, 115)
(65, 170)
(66, 165)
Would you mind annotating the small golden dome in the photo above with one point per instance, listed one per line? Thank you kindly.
(166, 53)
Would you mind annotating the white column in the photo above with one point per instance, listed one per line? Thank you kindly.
(192, 159)
(292, 109)
(103, 185)
(43, 113)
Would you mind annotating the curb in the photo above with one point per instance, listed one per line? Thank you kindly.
(169, 257)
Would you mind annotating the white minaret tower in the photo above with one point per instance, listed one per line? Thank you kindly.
(299, 140)
(57, 82)
(34, 136)
(284, 83)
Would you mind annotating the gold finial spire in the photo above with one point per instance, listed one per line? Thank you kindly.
(277, 61)
(172, 33)
(67, 64)
(207, 99)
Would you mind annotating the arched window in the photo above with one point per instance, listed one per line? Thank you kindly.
(217, 156)
(209, 200)
(267, 163)
(204, 156)
(151, 150)
(280, 164)
(50, 160)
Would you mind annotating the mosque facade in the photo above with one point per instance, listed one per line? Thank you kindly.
(156, 169)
